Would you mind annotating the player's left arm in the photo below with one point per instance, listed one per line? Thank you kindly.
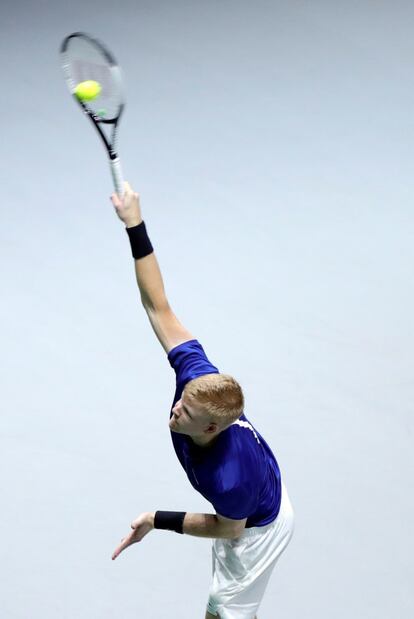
(213, 525)
(200, 525)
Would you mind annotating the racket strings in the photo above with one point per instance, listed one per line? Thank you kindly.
(83, 62)
(82, 70)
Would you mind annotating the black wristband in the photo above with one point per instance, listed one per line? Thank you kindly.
(140, 243)
(171, 521)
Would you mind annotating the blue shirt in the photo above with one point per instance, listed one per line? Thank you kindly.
(238, 473)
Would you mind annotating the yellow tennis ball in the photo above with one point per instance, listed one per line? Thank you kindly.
(88, 90)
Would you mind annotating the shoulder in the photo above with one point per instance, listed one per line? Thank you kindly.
(191, 346)
(189, 361)
(233, 494)
(231, 465)
(245, 429)
(228, 477)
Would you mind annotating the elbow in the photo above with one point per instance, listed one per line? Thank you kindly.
(154, 307)
(228, 531)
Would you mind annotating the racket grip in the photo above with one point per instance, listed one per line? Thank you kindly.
(117, 176)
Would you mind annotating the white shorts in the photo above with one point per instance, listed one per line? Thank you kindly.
(242, 566)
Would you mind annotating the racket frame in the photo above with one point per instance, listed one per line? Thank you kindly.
(97, 121)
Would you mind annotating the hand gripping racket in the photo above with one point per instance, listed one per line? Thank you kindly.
(95, 81)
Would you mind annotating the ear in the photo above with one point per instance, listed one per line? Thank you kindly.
(211, 429)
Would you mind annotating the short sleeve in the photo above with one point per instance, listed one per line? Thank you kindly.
(189, 361)
(237, 503)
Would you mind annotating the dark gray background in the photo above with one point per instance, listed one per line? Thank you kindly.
(272, 145)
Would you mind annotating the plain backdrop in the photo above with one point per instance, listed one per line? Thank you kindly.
(272, 146)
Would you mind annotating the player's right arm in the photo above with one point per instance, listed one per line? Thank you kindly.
(168, 329)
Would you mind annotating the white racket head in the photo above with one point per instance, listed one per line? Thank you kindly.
(84, 58)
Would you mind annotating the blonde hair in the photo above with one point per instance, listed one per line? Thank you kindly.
(219, 394)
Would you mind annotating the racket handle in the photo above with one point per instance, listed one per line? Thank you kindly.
(117, 176)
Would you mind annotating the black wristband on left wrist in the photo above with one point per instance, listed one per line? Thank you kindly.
(171, 521)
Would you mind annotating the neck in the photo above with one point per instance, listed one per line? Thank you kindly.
(204, 441)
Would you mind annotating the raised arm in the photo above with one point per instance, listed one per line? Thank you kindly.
(169, 331)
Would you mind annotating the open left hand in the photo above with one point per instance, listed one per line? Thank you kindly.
(140, 527)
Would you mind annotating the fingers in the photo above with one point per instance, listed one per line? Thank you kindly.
(117, 201)
(118, 551)
(127, 541)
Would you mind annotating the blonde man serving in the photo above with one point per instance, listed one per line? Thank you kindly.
(224, 456)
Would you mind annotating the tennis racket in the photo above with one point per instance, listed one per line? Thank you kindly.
(94, 79)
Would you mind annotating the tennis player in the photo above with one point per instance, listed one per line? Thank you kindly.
(224, 456)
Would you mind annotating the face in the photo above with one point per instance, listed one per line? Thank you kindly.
(188, 418)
